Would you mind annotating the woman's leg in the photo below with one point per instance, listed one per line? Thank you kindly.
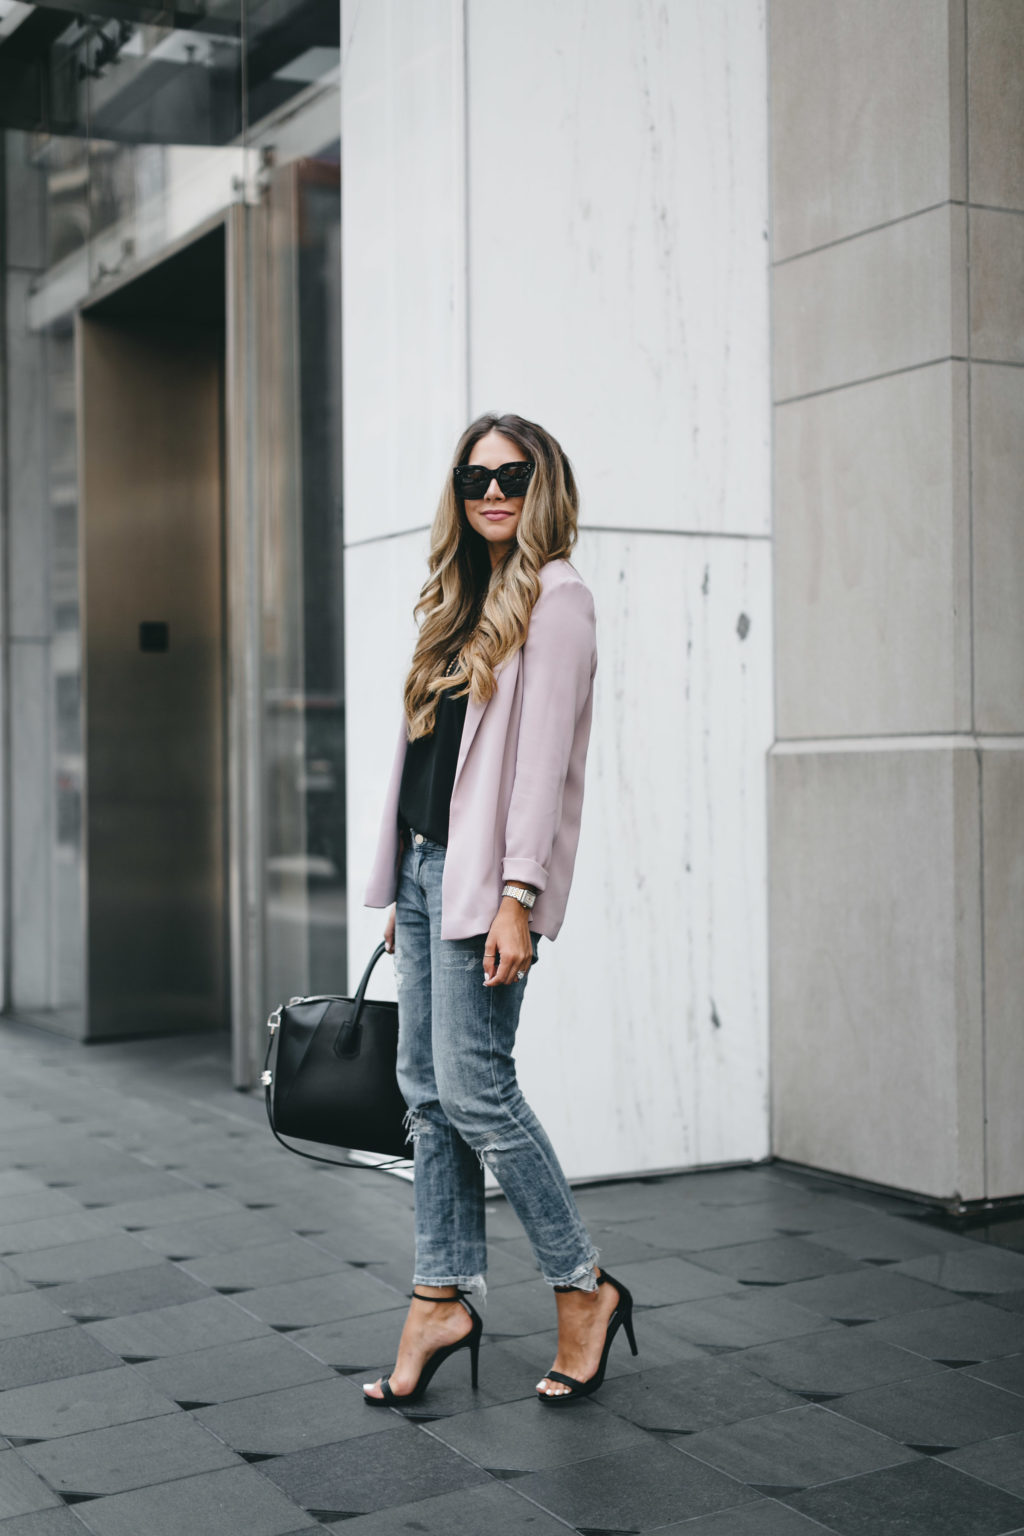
(451, 1247)
(450, 1251)
(473, 1043)
(474, 1029)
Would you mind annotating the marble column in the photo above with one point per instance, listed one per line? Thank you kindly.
(897, 775)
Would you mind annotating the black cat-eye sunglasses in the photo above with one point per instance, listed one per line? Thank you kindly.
(472, 480)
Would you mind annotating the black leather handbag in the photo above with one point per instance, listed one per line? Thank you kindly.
(333, 1078)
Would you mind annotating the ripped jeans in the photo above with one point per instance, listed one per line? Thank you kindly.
(457, 1075)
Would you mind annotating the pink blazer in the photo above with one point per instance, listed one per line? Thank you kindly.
(518, 795)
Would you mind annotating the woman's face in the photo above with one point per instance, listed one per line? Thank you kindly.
(495, 517)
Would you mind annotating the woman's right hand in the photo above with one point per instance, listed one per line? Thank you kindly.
(389, 931)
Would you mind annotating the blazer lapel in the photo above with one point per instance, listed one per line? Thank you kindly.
(505, 676)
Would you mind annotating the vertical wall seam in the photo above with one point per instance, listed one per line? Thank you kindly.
(970, 356)
(772, 408)
(971, 609)
(6, 862)
(243, 75)
(463, 97)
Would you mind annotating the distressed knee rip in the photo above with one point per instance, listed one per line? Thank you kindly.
(415, 1124)
(489, 1156)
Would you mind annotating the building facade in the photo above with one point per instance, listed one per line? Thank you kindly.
(757, 266)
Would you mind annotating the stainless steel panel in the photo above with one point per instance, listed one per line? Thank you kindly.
(152, 455)
(245, 746)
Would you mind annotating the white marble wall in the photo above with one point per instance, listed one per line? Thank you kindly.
(657, 982)
(403, 258)
(625, 304)
(381, 583)
(579, 235)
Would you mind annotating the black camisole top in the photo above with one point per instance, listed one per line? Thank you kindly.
(428, 777)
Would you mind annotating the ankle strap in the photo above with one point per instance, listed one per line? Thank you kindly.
(416, 1295)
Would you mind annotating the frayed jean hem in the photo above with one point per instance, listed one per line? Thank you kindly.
(582, 1278)
(476, 1285)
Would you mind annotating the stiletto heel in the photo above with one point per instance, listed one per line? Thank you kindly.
(622, 1318)
(470, 1341)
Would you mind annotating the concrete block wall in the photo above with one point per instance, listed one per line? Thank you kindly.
(897, 776)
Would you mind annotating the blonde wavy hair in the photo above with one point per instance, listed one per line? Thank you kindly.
(465, 609)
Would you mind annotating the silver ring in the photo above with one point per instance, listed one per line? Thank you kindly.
(520, 975)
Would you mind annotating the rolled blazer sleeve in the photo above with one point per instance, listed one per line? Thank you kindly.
(559, 658)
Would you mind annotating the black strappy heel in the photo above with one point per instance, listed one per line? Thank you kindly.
(389, 1399)
(622, 1318)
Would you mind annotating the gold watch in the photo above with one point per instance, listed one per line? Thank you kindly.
(525, 898)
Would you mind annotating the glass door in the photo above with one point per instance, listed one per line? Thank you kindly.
(288, 746)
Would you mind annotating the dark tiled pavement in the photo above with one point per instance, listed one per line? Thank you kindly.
(186, 1313)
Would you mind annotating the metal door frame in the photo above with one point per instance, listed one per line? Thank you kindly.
(242, 649)
(243, 634)
(259, 467)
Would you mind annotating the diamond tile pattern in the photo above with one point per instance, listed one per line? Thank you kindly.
(634, 1489)
(29, 1312)
(48, 1356)
(135, 1290)
(77, 1403)
(948, 1410)
(492, 1507)
(966, 1331)
(830, 1363)
(700, 1395)
(798, 1448)
(521, 1441)
(922, 1498)
(296, 1418)
(1008, 1373)
(358, 1476)
(235, 1500)
(106, 1461)
(186, 1315)
(232, 1370)
(982, 1267)
(21, 1491)
(45, 1522)
(173, 1330)
(1000, 1462)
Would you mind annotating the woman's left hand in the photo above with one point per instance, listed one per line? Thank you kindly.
(508, 949)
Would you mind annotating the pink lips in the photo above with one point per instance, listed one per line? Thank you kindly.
(496, 517)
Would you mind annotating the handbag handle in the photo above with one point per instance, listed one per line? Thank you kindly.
(350, 1033)
(330, 997)
(267, 1079)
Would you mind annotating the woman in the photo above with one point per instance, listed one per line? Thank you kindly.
(477, 849)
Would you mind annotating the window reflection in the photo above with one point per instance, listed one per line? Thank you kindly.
(319, 321)
(303, 670)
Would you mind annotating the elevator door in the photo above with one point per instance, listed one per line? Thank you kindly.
(153, 517)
